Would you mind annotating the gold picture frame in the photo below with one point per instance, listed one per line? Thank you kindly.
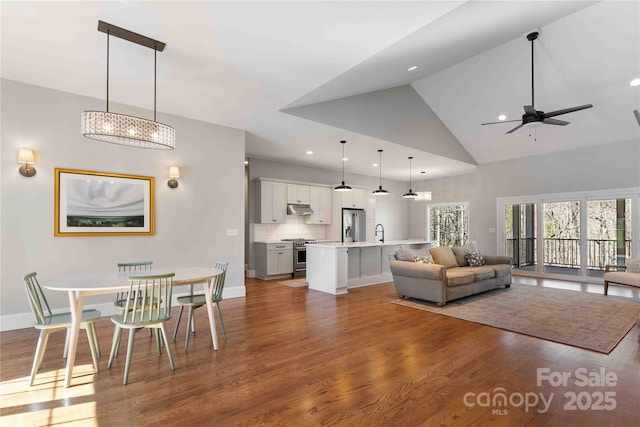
(88, 203)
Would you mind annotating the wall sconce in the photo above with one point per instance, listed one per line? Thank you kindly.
(25, 156)
(174, 172)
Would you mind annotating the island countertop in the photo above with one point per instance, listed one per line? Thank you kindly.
(371, 244)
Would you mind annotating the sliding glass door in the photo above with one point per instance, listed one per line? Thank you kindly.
(581, 232)
(520, 235)
(562, 237)
(609, 234)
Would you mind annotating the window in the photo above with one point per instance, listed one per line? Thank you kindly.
(448, 224)
(577, 234)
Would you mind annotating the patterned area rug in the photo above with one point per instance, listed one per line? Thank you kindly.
(580, 319)
(295, 283)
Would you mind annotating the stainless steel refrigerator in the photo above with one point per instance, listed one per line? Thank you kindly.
(354, 225)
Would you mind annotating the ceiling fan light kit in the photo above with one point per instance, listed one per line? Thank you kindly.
(531, 115)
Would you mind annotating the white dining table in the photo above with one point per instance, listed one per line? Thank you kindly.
(80, 286)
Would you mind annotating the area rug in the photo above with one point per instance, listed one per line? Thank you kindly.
(580, 319)
(295, 283)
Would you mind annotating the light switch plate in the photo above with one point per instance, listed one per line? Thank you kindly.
(492, 230)
(232, 231)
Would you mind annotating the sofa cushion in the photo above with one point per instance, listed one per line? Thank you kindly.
(460, 253)
(407, 254)
(501, 269)
(443, 255)
(475, 258)
(458, 276)
(479, 273)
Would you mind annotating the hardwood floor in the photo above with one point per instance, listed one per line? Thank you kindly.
(303, 358)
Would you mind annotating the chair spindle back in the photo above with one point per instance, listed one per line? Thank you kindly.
(153, 298)
(36, 298)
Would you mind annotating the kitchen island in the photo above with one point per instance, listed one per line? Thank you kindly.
(335, 267)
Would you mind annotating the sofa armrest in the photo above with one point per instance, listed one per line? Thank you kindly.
(611, 267)
(417, 270)
(497, 259)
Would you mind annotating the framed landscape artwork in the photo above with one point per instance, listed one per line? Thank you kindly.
(90, 203)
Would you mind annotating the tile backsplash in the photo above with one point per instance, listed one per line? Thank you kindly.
(294, 227)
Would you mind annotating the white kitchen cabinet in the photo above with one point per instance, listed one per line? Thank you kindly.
(298, 194)
(273, 260)
(273, 202)
(354, 199)
(320, 201)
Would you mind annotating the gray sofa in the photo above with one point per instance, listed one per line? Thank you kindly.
(449, 277)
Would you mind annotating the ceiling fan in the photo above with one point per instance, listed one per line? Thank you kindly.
(531, 115)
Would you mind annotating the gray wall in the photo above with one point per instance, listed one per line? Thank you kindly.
(392, 211)
(602, 167)
(190, 221)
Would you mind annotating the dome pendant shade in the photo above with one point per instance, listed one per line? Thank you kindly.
(342, 186)
(410, 194)
(123, 129)
(380, 191)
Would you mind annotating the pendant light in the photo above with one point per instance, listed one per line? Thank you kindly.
(380, 191)
(342, 187)
(124, 129)
(410, 194)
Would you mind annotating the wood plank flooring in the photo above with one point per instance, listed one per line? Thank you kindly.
(296, 357)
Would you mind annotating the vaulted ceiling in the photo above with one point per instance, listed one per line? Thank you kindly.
(301, 76)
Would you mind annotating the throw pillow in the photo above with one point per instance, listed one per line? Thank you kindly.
(475, 259)
(633, 265)
(443, 255)
(423, 259)
(461, 251)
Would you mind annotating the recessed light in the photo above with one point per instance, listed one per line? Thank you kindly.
(344, 159)
(412, 68)
(502, 117)
(635, 82)
(309, 152)
(375, 165)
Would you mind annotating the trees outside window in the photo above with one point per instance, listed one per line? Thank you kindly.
(448, 224)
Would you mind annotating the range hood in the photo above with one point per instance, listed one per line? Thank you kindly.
(299, 210)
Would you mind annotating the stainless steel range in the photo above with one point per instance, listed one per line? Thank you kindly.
(300, 255)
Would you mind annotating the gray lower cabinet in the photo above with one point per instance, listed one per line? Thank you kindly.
(273, 260)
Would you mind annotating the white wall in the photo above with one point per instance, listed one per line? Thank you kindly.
(190, 221)
(602, 167)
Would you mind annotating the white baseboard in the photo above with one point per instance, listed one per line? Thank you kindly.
(12, 322)
(251, 273)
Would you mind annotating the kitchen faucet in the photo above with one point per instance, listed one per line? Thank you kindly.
(382, 231)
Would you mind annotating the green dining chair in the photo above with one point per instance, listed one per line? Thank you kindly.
(47, 323)
(123, 267)
(196, 301)
(121, 297)
(152, 310)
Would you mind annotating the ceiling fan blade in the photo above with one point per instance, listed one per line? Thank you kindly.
(503, 121)
(555, 122)
(528, 109)
(566, 110)
(516, 128)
